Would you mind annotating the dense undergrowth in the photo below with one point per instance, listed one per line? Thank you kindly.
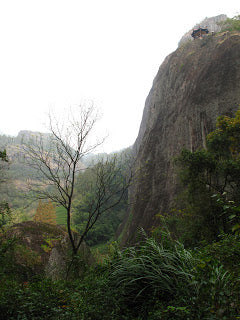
(153, 280)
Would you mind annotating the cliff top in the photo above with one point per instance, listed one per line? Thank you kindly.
(212, 24)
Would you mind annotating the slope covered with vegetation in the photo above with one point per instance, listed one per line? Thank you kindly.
(160, 277)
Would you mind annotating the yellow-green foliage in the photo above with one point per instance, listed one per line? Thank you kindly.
(46, 212)
(49, 244)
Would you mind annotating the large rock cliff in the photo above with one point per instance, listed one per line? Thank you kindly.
(194, 85)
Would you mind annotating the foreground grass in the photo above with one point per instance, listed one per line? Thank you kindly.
(150, 281)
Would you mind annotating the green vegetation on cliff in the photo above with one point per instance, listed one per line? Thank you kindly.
(210, 203)
(231, 24)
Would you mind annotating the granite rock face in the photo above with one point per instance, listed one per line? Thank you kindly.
(194, 85)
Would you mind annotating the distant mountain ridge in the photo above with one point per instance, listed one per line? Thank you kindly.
(28, 134)
(13, 143)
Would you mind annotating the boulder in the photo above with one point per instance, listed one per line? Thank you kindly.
(44, 249)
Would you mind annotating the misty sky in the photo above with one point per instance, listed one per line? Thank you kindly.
(57, 53)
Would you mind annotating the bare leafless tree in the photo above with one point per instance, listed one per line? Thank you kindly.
(57, 161)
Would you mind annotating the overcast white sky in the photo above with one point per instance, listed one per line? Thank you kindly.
(58, 53)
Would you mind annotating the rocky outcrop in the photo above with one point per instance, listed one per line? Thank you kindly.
(43, 249)
(194, 85)
(213, 24)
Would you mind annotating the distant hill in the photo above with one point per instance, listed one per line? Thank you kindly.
(13, 145)
(18, 172)
(18, 169)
